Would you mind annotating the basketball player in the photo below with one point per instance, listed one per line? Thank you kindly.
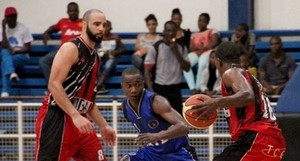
(252, 123)
(63, 130)
(162, 131)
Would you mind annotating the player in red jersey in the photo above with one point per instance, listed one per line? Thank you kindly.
(250, 117)
(63, 128)
(69, 28)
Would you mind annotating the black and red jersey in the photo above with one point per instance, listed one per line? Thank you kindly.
(81, 80)
(257, 117)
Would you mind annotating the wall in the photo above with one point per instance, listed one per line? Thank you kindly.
(128, 15)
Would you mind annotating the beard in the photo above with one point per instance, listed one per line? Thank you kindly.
(93, 37)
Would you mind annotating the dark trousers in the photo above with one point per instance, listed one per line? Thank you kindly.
(172, 93)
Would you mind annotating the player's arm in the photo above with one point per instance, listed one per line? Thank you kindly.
(163, 108)
(243, 92)
(65, 58)
(107, 132)
(243, 95)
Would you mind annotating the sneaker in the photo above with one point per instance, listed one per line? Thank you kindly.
(14, 77)
(102, 90)
(4, 94)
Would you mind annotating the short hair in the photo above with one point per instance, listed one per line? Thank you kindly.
(72, 3)
(176, 11)
(150, 17)
(206, 15)
(228, 52)
(170, 23)
(244, 26)
(276, 38)
(86, 15)
(132, 71)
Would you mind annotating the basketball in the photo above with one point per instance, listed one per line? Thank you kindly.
(190, 118)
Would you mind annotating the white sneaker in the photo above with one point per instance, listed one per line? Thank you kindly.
(4, 94)
(14, 77)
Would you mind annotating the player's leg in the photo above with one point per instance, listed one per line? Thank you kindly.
(253, 146)
(90, 149)
(50, 129)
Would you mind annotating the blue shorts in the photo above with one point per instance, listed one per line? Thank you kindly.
(145, 154)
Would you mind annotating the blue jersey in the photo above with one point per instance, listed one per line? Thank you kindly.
(147, 121)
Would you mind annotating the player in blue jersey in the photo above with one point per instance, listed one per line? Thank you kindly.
(162, 131)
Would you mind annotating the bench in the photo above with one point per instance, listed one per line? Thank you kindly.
(32, 81)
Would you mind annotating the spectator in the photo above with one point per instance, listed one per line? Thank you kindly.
(111, 48)
(210, 83)
(183, 35)
(144, 41)
(246, 41)
(201, 45)
(244, 62)
(162, 131)
(167, 62)
(276, 68)
(15, 42)
(69, 28)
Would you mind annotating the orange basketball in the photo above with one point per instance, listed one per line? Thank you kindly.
(190, 118)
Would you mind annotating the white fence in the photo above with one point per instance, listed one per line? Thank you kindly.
(17, 134)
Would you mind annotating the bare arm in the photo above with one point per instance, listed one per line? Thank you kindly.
(107, 132)
(185, 65)
(148, 76)
(243, 94)
(178, 127)
(63, 61)
(47, 34)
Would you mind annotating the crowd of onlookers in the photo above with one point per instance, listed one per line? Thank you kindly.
(163, 58)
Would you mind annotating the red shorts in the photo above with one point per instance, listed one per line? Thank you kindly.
(58, 139)
(253, 146)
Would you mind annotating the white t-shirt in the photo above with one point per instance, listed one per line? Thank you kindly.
(17, 36)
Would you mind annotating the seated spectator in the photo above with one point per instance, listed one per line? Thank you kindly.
(144, 41)
(69, 27)
(110, 50)
(210, 83)
(245, 63)
(276, 68)
(246, 41)
(183, 36)
(201, 44)
(15, 42)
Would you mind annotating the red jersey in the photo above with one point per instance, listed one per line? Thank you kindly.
(257, 117)
(69, 29)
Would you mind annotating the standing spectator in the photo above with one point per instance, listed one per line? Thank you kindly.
(168, 62)
(69, 28)
(201, 45)
(63, 126)
(183, 35)
(252, 123)
(210, 82)
(111, 48)
(246, 40)
(276, 69)
(15, 42)
(162, 131)
(144, 41)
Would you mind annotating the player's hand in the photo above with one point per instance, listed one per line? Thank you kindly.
(205, 108)
(83, 124)
(144, 139)
(109, 135)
